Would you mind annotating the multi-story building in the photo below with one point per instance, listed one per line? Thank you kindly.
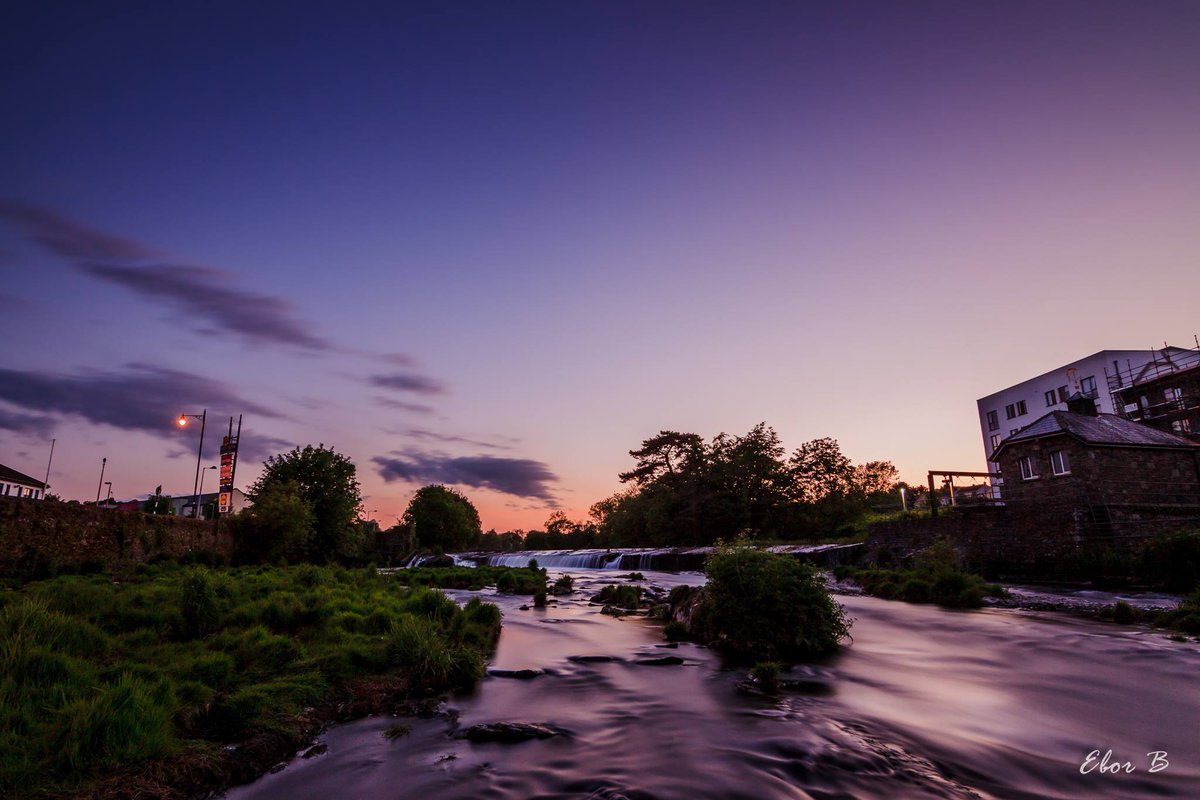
(1097, 376)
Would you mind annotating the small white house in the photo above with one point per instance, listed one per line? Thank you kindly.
(18, 484)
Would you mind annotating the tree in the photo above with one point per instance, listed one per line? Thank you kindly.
(820, 469)
(442, 517)
(280, 524)
(664, 456)
(326, 480)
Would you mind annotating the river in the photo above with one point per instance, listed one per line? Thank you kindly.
(923, 703)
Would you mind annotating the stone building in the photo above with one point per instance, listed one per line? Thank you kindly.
(1085, 459)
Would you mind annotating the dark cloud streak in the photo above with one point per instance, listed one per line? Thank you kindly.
(520, 477)
(409, 382)
(65, 237)
(141, 398)
(206, 292)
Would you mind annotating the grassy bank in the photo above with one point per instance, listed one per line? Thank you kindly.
(507, 580)
(935, 576)
(138, 682)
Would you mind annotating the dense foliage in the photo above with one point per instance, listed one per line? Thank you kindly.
(684, 491)
(99, 675)
(760, 605)
(442, 518)
(507, 580)
(326, 482)
(936, 575)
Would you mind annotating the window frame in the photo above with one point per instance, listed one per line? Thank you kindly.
(993, 421)
(1063, 460)
(1051, 398)
(1028, 467)
(1010, 411)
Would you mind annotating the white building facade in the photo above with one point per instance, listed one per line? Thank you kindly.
(18, 484)
(1009, 410)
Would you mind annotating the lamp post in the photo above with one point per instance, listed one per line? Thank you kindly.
(108, 496)
(183, 422)
(203, 472)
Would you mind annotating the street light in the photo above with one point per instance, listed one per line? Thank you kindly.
(202, 474)
(183, 423)
(109, 496)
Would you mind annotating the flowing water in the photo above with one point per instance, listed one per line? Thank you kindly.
(923, 703)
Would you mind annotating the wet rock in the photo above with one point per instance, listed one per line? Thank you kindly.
(316, 750)
(661, 661)
(592, 659)
(439, 561)
(280, 767)
(669, 645)
(510, 732)
(519, 674)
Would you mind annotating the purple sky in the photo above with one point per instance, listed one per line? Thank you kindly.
(498, 244)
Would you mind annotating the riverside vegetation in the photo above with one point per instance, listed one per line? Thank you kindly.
(934, 576)
(141, 679)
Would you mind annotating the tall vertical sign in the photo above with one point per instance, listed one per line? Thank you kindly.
(229, 449)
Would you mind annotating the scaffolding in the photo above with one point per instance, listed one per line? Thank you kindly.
(1163, 393)
(956, 496)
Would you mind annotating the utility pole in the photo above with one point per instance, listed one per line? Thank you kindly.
(46, 483)
(100, 485)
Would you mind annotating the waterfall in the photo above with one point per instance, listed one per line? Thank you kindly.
(636, 559)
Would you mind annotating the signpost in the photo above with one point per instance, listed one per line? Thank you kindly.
(229, 448)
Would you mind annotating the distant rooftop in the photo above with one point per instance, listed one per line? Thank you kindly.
(12, 476)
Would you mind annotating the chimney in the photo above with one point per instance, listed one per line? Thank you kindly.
(1082, 405)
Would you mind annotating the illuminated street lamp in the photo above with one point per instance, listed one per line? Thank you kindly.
(202, 474)
(183, 423)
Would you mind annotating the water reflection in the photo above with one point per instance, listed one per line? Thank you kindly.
(924, 703)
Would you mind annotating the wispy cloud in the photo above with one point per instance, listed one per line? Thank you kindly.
(140, 397)
(520, 477)
(432, 436)
(68, 238)
(408, 382)
(400, 405)
(208, 294)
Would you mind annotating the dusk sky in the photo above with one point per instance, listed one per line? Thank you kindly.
(496, 245)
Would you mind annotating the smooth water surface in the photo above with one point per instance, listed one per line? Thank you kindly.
(922, 703)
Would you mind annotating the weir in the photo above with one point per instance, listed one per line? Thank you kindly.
(665, 559)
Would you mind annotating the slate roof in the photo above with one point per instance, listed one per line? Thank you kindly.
(1102, 429)
(12, 476)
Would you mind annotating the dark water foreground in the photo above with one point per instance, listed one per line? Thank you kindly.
(923, 703)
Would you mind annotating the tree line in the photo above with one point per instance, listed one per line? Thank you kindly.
(681, 490)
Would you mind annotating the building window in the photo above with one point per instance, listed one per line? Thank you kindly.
(1051, 398)
(1014, 430)
(995, 441)
(1062, 394)
(1021, 410)
(993, 421)
(1028, 470)
(1088, 386)
(1182, 426)
(1059, 463)
(1010, 411)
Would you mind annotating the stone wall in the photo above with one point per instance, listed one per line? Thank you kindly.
(998, 540)
(1027, 539)
(70, 535)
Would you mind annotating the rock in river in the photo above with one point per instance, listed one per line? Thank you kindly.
(509, 732)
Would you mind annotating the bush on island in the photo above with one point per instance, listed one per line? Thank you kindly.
(762, 606)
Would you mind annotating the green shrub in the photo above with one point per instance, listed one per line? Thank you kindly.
(766, 675)
(130, 720)
(1123, 613)
(539, 599)
(198, 604)
(675, 631)
(621, 596)
(564, 585)
(768, 606)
